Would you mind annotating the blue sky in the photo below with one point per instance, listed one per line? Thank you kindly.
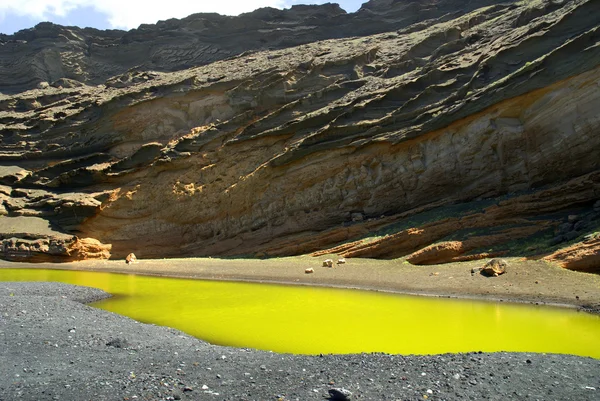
(126, 14)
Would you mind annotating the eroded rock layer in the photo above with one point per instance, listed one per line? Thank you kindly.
(70, 56)
(306, 148)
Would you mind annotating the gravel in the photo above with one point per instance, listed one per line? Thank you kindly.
(53, 347)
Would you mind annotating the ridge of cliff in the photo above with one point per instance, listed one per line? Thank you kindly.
(50, 52)
(454, 135)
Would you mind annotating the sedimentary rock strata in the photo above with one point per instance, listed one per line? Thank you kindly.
(583, 256)
(70, 56)
(322, 145)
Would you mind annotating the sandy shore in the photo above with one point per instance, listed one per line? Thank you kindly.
(525, 280)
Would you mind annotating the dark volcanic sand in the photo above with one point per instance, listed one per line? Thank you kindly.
(52, 347)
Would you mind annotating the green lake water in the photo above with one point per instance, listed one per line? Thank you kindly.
(313, 320)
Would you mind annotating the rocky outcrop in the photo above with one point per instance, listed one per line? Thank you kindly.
(31, 239)
(492, 231)
(583, 256)
(319, 146)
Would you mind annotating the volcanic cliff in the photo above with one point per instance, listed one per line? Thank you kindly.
(436, 130)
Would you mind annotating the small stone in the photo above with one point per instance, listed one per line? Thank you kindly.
(494, 267)
(339, 394)
(557, 240)
(571, 235)
(263, 367)
(565, 227)
(580, 225)
(572, 218)
(356, 217)
(528, 361)
(328, 263)
(341, 261)
(456, 376)
(130, 259)
(309, 270)
(117, 343)
(187, 389)
(204, 387)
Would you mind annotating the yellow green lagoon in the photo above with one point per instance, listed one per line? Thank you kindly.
(313, 320)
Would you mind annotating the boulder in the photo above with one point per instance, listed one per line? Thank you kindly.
(494, 267)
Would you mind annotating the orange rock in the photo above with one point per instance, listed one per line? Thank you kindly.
(88, 248)
(583, 256)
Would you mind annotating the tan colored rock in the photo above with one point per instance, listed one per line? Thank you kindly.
(328, 263)
(341, 261)
(130, 259)
(88, 248)
(309, 270)
(494, 267)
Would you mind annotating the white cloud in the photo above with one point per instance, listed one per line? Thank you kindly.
(127, 14)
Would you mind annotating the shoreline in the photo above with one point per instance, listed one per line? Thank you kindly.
(526, 281)
(59, 348)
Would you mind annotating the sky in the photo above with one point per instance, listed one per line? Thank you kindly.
(127, 14)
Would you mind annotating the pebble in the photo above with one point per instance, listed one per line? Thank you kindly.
(339, 394)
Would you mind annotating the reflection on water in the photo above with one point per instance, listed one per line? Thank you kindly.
(309, 320)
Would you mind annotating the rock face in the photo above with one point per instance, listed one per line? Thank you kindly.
(320, 146)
